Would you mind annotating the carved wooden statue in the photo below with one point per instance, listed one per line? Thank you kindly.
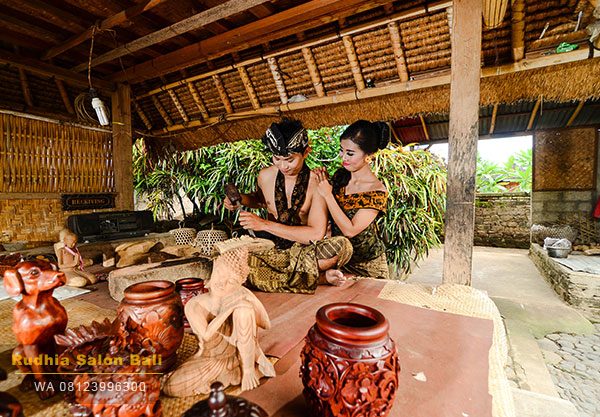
(71, 262)
(225, 320)
(37, 318)
(9, 405)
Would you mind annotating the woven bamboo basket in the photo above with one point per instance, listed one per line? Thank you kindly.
(206, 240)
(558, 231)
(183, 235)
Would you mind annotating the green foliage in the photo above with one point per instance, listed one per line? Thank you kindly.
(415, 180)
(493, 178)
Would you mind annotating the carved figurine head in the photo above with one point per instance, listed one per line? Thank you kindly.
(32, 277)
(230, 271)
(68, 238)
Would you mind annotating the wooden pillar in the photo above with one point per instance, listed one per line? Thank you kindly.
(462, 139)
(122, 147)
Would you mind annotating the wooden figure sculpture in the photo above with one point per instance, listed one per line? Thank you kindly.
(225, 320)
(9, 405)
(71, 262)
(37, 318)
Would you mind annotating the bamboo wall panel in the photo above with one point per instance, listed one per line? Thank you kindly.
(565, 159)
(42, 157)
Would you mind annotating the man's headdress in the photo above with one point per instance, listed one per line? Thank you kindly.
(286, 138)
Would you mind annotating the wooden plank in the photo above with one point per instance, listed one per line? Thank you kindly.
(177, 103)
(398, 51)
(43, 68)
(394, 88)
(575, 113)
(424, 125)
(287, 23)
(274, 67)
(122, 147)
(223, 93)
(313, 70)
(197, 99)
(462, 140)
(533, 114)
(404, 15)
(142, 115)
(249, 87)
(354, 64)
(191, 23)
(57, 13)
(493, 123)
(53, 36)
(25, 87)
(112, 21)
(162, 111)
(518, 29)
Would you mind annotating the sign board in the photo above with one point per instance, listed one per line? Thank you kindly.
(87, 201)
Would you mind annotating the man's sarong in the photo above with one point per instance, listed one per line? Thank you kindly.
(295, 269)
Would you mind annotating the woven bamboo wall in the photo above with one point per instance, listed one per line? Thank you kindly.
(34, 221)
(38, 156)
(565, 159)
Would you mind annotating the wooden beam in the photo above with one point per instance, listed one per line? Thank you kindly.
(249, 87)
(122, 147)
(223, 93)
(64, 96)
(354, 64)
(24, 83)
(398, 51)
(43, 68)
(407, 14)
(197, 99)
(462, 139)
(162, 111)
(191, 23)
(287, 23)
(177, 103)
(424, 126)
(394, 88)
(313, 70)
(533, 114)
(29, 27)
(278, 80)
(57, 13)
(517, 21)
(142, 115)
(109, 22)
(575, 113)
(493, 123)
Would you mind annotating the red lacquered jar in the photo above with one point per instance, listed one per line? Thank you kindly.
(188, 288)
(349, 363)
(151, 315)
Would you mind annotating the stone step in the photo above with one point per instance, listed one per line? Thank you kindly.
(533, 404)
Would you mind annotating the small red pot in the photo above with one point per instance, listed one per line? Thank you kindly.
(349, 363)
(188, 288)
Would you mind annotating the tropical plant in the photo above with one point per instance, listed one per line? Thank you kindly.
(519, 168)
(489, 177)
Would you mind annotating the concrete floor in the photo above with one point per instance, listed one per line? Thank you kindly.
(530, 308)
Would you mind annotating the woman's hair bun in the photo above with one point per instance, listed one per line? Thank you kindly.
(384, 134)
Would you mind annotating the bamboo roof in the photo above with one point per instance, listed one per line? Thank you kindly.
(207, 71)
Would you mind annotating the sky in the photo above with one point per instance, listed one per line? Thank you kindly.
(493, 150)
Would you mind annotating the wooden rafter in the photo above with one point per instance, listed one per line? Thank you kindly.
(398, 51)
(286, 23)
(274, 67)
(142, 115)
(38, 31)
(354, 64)
(24, 84)
(313, 70)
(424, 125)
(74, 20)
(518, 29)
(43, 68)
(197, 99)
(249, 87)
(398, 87)
(493, 123)
(162, 111)
(64, 96)
(406, 14)
(112, 21)
(177, 103)
(533, 114)
(223, 93)
(575, 113)
(191, 23)
(449, 17)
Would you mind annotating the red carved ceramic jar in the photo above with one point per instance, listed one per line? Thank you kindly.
(151, 316)
(188, 288)
(349, 363)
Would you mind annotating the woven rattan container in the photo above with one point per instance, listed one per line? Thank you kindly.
(206, 240)
(183, 235)
(558, 231)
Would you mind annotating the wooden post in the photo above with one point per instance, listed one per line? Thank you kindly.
(462, 139)
(518, 29)
(122, 147)
(494, 115)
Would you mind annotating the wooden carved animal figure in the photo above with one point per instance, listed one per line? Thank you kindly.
(37, 318)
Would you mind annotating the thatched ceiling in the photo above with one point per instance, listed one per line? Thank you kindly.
(204, 71)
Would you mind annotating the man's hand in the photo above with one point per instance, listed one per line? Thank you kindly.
(323, 186)
(252, 221)
(229, 205)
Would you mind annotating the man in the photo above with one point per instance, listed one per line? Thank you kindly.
(297, 219)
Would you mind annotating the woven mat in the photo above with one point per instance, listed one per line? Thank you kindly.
(460, 299)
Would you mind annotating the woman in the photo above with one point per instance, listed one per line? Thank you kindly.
(357, 198)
